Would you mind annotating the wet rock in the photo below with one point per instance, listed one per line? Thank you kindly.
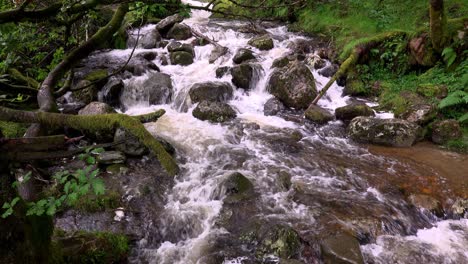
(110, 157)
(302, 46)
(130, 146)
(341, 248)
(217, 52)
(243, 55)
(237, 187)
(214, 111)
(181, 58)
(355, 87)
(167, 23)
(294, 85)
(179, 32)
(426, 202)
(272, 107)
(96, 108)
(348, 112)
(177, 46)
(318, 115)
(148, 40)
(460, 207)
(117, 169)
(446, 130)
(245, 76)
(211, 91)
(390, 132)
(284, 180)
(319, 63)
(157, 89)
(280, 62)
(85, 92)
(112, 90)
(420, 114)
(149, 55)
(329, 71)
(140, 69)
(282, 241)
(200, 42)
(221, 71)
(264, 42)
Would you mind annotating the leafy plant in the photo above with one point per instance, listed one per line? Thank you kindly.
(454, 99)
(449, 55)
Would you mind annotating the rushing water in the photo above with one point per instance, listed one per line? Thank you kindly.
(339, 182)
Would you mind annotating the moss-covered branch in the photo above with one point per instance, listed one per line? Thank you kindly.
(93, 123)
(438, 25)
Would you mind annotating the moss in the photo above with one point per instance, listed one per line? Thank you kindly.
(283, 242)
(92, 247)
(93, 203)
(96, 75)
(12, 130)
(432, 90)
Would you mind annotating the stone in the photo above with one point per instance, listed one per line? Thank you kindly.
(181, 58)
(446, 130)
(130, 146)
(389, 132)
(221, 71)
(245, 76)
(348, 112)
(460, 206)
(280, 62)
(116, 169)
(341, 248)
(281, 241)
(355, 87)
(302, 46)
(147, 40)
(96, 108)
(211, 91)
(420, 114)
(177, 46)
(272, 107)
(217, 52)
(319, 64)
(167, 23)
(294, 86)
(329, 71)
(112, 90)
(264, 42)
(148, 55)
(179, 32)
(216, 112)
(243, 55)
(110, 157)
(318, 115)
(157, 89)
(284, 180)
(84, 92)
(237, 186)
(432, 90)
(426, 202)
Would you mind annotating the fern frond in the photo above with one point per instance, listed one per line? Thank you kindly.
(463, 118)
(456, 98)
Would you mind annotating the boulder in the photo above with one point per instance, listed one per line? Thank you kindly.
(147, 40)
(245, 76)
(221, 71)
(181, 58)
(432, 90)
(390, 132)
(348, 112)
(112, 90)
(96, 108)
(214, 111)
(237, 187)
(243, 55)
(264, 42)
(211, 91)
(177, 46)
(420, 114)
(179, 32)
(84, 92)
(446, 130)
(280, 62)
(272, 107)
(426, 202)
(131, 146)
(217, 52)
(148, 55)
(318, 115)
(329, 71)
(341, 248)
(293, 85)
(281, 241)
(110, 157)
(302, 46)
(460, 206)
(167, 23)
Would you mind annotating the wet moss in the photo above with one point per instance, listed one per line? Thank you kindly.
(96, 75)
(281, 241)
(97, 203)
(12, 130)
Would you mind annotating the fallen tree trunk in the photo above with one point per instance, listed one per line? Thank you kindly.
(93, 123)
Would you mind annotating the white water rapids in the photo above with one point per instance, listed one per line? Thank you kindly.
(211, 152)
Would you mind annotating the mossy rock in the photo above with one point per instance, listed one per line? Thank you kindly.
(237, 187)
(281, 241)
(216, 112)
(93, 247)
(98, 203)
(341, 248)
(432, 90)
(264, 42)
(445, 131)
(318, 115)
(181, 58)
(348, 112)
(355, 87)
(96, 75)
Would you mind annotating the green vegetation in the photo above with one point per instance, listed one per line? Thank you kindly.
(12, 130)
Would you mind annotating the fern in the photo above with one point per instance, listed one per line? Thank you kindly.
(463, 118)
(454, 99)
(449, 56)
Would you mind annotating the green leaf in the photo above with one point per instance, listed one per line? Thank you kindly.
(51, 210)
(7, 213)
(93, 174)
(66, 188)
(98, 187)
(463, 118)
(97, 151)
(90, 160)
(15, 200)
(6, 205)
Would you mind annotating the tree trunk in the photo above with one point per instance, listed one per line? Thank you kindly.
(438, 25)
